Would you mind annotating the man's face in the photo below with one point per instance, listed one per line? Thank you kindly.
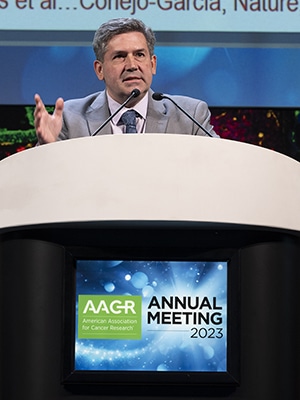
(127, 65)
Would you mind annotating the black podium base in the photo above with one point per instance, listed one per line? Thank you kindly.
(33, 321)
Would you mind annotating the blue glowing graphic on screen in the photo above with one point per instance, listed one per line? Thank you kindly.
(183, 318)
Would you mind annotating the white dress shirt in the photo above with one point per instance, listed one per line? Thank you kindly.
(141, 108)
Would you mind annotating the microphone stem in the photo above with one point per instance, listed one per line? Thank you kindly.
(188, 115)
(133, 94)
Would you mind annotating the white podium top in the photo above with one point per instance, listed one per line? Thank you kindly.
(150, 178)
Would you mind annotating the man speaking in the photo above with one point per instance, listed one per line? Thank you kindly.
(125, 61)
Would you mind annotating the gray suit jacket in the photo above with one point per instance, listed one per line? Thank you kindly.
(81, 117)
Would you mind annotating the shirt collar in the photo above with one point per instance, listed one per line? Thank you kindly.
(140, 107)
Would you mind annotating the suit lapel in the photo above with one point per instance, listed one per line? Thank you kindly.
(97, 113)
(157, 119)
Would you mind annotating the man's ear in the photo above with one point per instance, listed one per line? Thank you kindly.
(98, 68)
(153, 64)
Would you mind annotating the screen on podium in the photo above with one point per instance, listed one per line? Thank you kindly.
(151, 320)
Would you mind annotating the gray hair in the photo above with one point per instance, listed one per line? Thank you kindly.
(118, 26)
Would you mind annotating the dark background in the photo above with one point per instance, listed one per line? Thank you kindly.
(273, 128)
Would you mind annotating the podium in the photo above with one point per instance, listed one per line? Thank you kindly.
(154, 197)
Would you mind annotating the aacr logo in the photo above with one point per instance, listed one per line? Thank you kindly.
(109, 317)
(109, 305)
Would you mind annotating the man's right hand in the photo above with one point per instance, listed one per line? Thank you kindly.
(47, 126)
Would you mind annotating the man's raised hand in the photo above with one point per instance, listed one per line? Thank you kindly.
(47, 126)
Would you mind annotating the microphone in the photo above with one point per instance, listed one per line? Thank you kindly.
(160, 96)
(134, 93)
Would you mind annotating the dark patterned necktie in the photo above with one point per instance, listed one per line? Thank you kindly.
(129, 120)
